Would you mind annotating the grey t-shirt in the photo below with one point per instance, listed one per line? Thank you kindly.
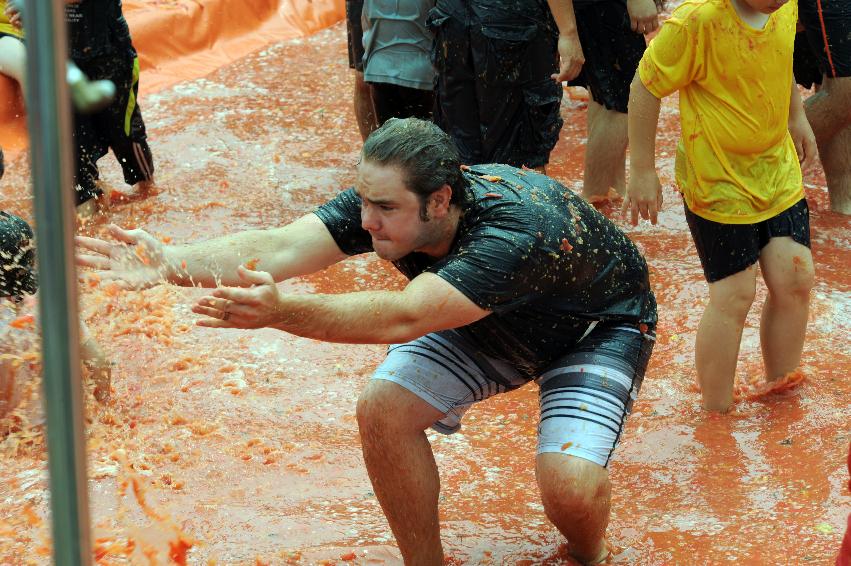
(397, 44)
(541, 258)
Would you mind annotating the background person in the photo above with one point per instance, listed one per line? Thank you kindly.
(738, 171)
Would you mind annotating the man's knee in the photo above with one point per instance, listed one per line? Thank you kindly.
(374, 405)
(571, 485)
(386, 409)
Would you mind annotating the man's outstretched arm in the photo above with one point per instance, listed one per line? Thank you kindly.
(427, 304)
(139, 260)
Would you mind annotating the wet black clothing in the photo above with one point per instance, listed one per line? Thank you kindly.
(827, 48)
(17, 257)
(805, 63)
(394, 101)
(118, 127)
(97, 28)
(541, 258)
(354, 33)
(612, 51)
(727, 249)
(100, 44)
(494, 94)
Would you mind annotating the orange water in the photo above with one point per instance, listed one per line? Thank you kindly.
(243, 445)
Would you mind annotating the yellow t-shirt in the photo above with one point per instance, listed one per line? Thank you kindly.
(5, 26)
(736, 161)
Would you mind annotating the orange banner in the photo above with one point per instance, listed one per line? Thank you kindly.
(180, 40)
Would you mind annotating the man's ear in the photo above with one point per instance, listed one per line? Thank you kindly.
(440, 201)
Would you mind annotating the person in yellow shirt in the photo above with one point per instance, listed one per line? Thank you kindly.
(13, 55)
(738, 167)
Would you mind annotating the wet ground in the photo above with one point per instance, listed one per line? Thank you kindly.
(241, 447)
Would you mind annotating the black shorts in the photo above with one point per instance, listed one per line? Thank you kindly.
(726, 249)
(827, 24)
(3, 34)
(394, 101)
(118, 127)
(612, 52)
(805, 63)
(494, 94)
(354, 31)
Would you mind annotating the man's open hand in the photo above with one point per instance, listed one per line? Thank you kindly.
(257, 305)
(137, 261)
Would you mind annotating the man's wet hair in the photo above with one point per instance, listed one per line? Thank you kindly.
(425, 154)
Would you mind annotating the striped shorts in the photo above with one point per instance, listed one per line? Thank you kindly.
(585, 395)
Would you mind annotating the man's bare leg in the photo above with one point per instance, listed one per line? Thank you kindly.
(836, 160)
(401, 466)
(829, 113)
(576, 494)
(364, 112)
(605, 152)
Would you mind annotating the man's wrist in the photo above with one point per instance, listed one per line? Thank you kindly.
(283, 315)
(174, 270)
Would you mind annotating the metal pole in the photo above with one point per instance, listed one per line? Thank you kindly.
(48, 111)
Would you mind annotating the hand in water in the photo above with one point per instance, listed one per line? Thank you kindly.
(136, 262)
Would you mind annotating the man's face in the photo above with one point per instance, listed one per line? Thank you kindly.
(391, 213)
(765, 6)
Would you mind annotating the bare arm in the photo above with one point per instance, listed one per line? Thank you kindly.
(644, 191)
(801, 131)
(303, 247)
(141, 261)
(569, 49)
(427, 304)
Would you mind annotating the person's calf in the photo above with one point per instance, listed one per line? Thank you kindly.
(836, 159)
(719, 337)
(364, 111)
(605, 153)
(401, 467)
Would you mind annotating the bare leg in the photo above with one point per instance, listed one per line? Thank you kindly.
(719, 336)
(605, 152)
(576, 494)
(13, 60)
(829, 113)
(401, 466)
(364, 112)
(787, 268)
(836, 159)
(829, 110)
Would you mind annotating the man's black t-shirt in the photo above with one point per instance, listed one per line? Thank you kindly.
(544, 261)
(97, 28)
